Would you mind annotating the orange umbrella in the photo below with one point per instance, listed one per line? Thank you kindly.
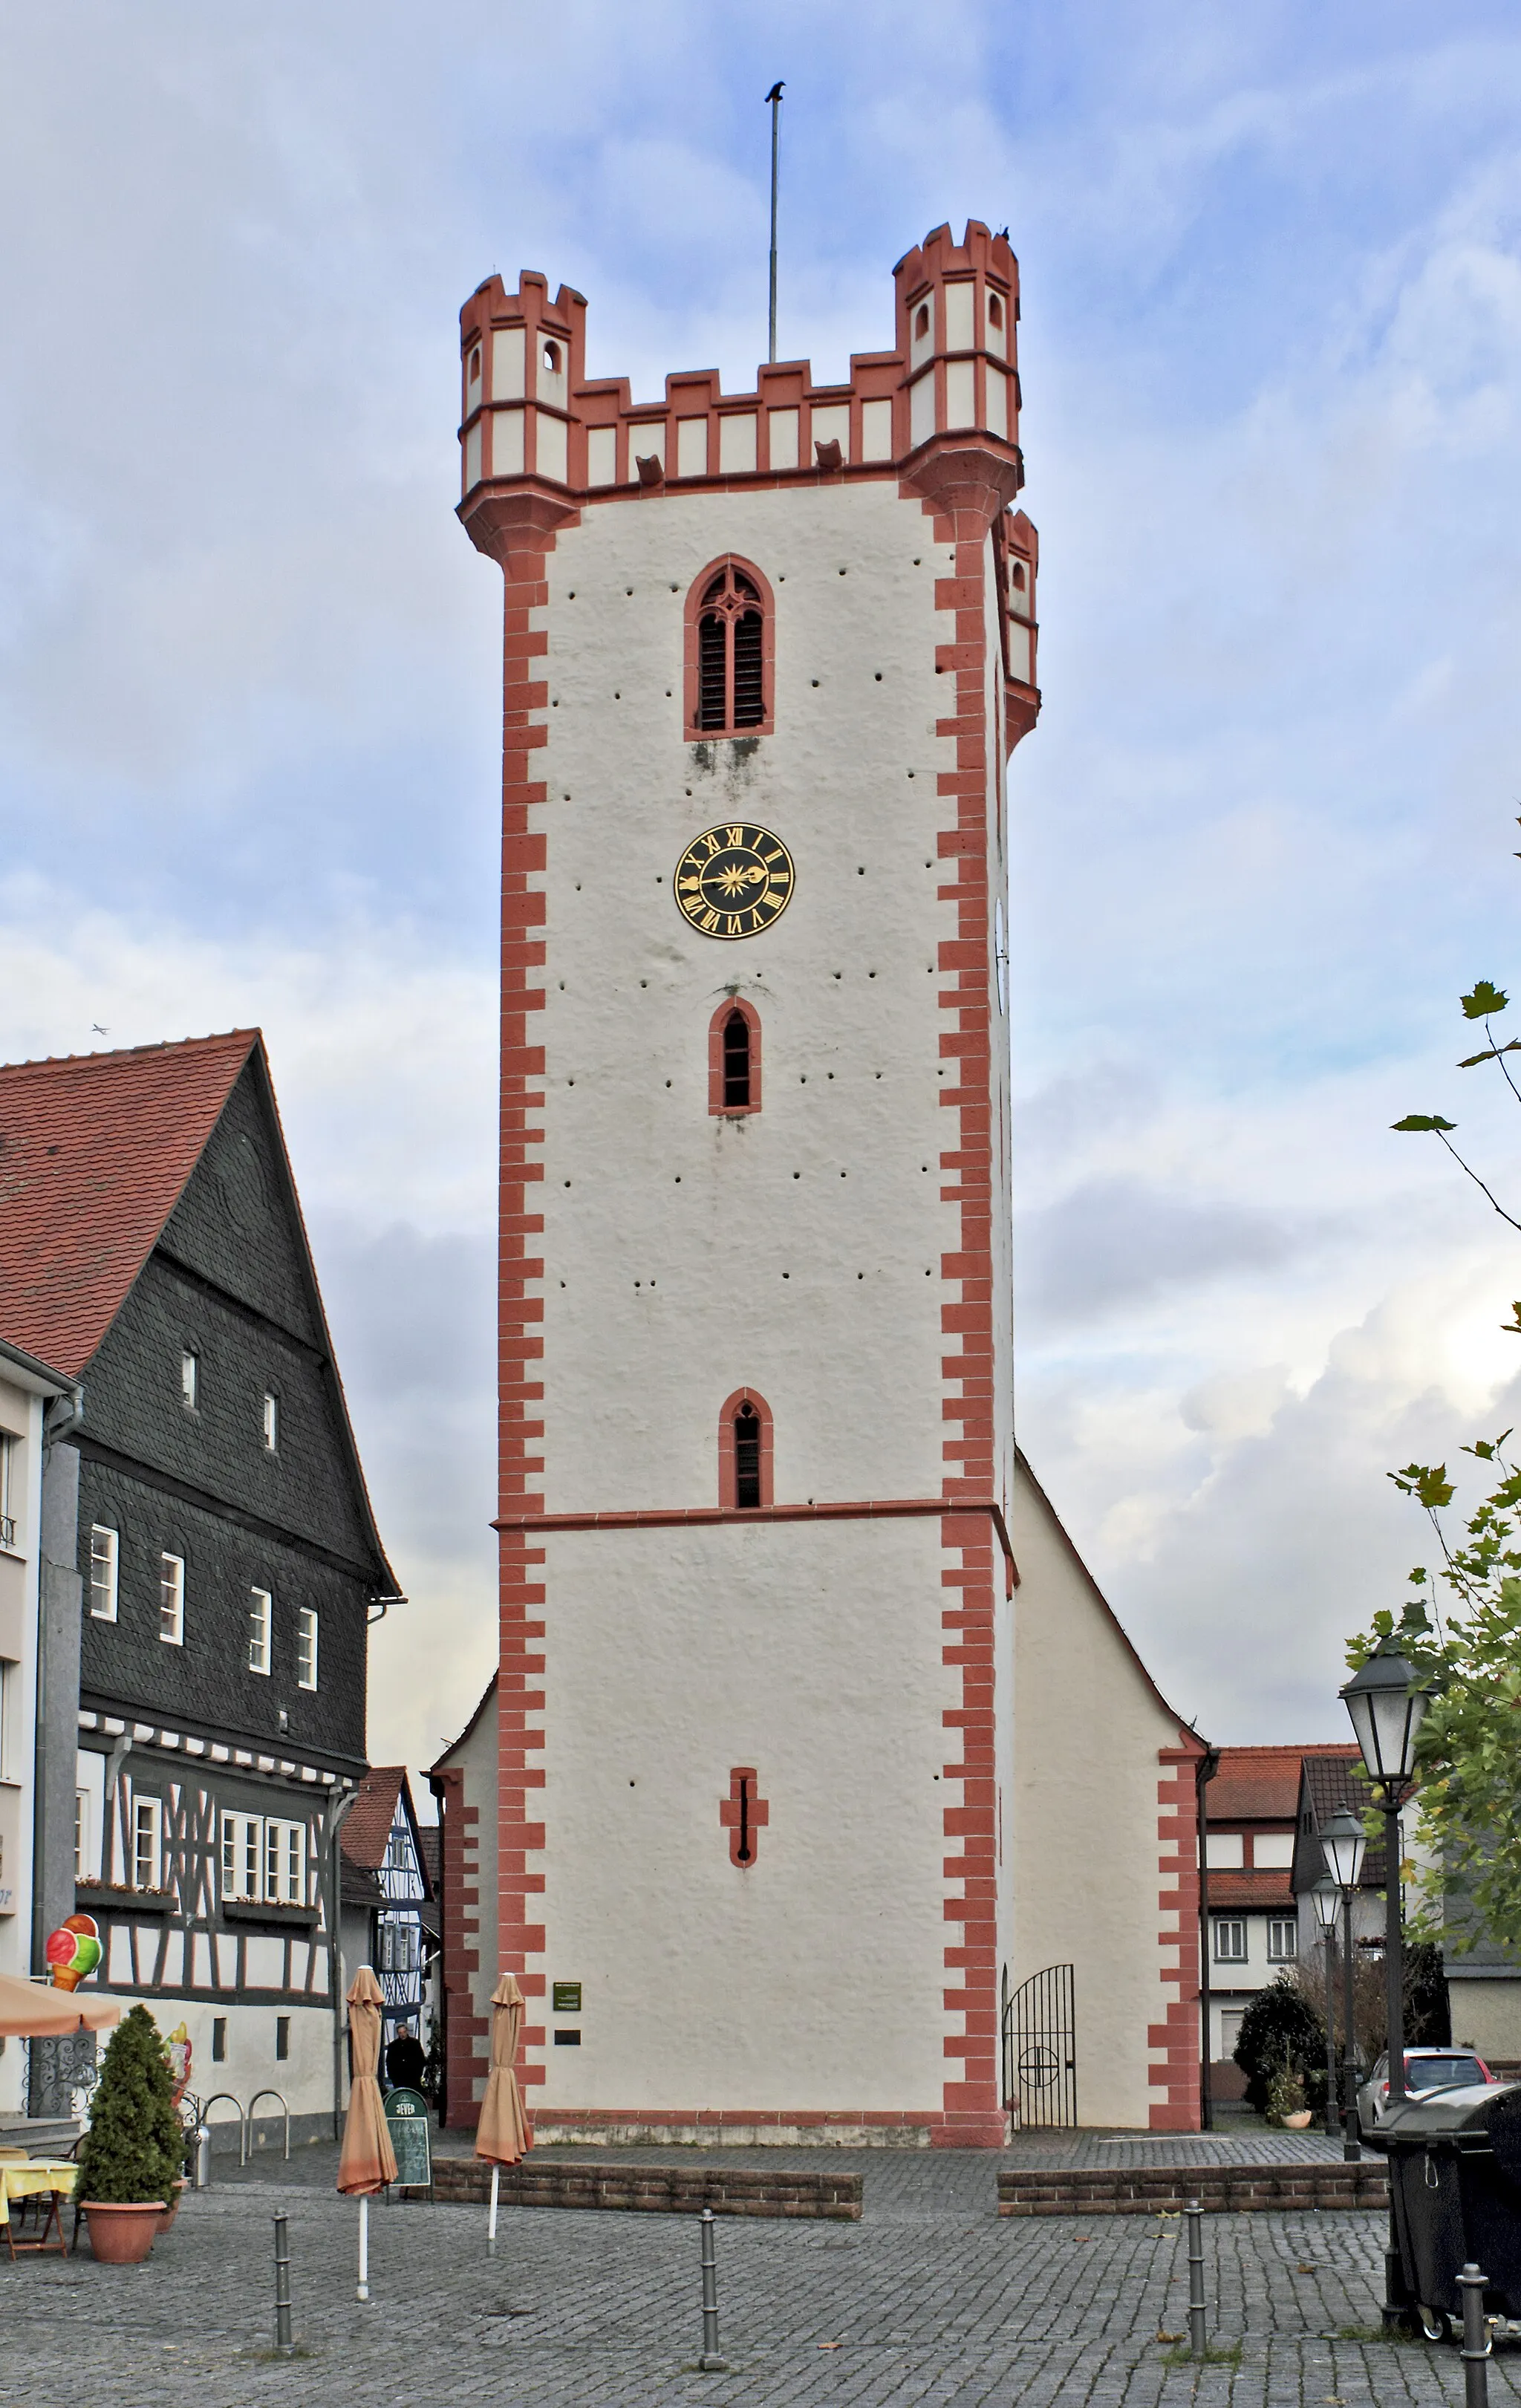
(32, 2010)
(502, 2135)
(366, 2161)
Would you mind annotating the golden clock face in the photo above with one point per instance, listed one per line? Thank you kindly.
(733, 882)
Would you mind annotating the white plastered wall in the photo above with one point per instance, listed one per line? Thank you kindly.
(1088, 1727)
(21, 1421)
(813, 1979)
(707, 1215)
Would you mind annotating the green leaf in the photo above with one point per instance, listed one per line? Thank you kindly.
(1484, 1000)
(1514, 1325)
(1491, 1054)
(1427, 1482)
(1423, 1121)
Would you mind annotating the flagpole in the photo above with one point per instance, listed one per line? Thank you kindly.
(774, 99)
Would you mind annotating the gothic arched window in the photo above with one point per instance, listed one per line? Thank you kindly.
(734, 1058)
(729, 624)
(744, 1451)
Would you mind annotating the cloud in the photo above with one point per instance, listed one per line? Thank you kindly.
(1114, 1242)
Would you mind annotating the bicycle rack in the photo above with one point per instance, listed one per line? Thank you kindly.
(215, 2101)
(248, 2121)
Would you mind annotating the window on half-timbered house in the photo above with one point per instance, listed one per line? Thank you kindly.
(103, 1547)
(242, 1856)
(285, 1863)
(147, 1844)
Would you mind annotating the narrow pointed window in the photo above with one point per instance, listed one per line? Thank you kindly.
(747, 1457)
(734, 1057)
(744, 1453)
(729, 628)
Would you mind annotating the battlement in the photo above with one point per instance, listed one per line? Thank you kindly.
(530, 418)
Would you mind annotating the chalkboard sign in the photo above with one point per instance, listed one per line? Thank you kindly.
(407, 2121)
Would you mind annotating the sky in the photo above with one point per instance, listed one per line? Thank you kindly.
(1264, 834)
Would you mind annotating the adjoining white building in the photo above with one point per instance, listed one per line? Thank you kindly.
(27, 1389)
(781, 1808)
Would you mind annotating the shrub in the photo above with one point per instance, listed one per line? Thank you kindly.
(134, 2148)
(1280, 2027)
(1285, 2093)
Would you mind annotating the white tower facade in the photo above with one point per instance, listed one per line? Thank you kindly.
(765, 657)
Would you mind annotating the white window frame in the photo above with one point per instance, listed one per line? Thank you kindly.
(272, 1421)
(1236, 1924)
(104, 1571)
(147, 1843)
(190, 1379)
(242, 1857)
(8, 1670)
(9, 1450)
(285, 1862)
(261, 1630)
(81, 1833)
(171, 1599)
(306, 1634)
(1283, 1924)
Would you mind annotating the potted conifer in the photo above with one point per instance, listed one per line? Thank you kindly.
(132, 2154)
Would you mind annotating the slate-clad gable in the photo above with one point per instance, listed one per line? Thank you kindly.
(235, 1223)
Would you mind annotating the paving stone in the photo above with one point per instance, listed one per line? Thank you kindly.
(931, 2298)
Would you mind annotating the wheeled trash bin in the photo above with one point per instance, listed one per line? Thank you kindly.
(1455, 2184)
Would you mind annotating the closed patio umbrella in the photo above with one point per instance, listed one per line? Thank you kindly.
(366, 2161)
(35, 2011)
(502, 2135)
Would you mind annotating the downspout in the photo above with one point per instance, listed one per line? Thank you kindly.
(335, 1949)
(1204, 1772)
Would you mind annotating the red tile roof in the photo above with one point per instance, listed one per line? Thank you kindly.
(1261, 1784)
(367, 1827)
(95, 1150)
(1265, 1892)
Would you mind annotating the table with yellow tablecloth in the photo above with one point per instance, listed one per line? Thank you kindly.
(38, 2177)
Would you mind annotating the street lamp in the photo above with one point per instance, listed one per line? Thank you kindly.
(1327, 1900)
(1387, 1706)
(1343, 1846)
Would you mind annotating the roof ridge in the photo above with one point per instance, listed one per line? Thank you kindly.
(124, 1052)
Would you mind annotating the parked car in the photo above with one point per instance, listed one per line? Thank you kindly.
(1426, 2069)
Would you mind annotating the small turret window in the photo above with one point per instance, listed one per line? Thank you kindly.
(747, 1457)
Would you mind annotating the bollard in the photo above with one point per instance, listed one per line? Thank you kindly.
(203, 2158)
(1476, 2349)
(283, 2343)
(710, 2362)
(1194, 2211)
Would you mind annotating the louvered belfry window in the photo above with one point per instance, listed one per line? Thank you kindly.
(731, 667)
(747, 1458)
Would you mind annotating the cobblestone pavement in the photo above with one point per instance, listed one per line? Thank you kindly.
(929, 2300)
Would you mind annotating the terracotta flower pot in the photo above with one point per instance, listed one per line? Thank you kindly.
(167, 2215)
(121, 2232)
(1299, 2121)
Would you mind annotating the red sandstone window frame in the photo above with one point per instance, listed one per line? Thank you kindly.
(764, 725)
(716, 1078)
(728, 1474)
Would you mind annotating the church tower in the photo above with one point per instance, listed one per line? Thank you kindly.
(765, 657)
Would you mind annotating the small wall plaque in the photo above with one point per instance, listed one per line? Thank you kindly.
(566, 1998)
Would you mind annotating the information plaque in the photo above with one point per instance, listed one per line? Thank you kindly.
(407, 2120)
(566, 1998)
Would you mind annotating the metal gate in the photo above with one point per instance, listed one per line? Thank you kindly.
(1039, 2048)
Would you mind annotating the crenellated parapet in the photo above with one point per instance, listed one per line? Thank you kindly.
(940, 412)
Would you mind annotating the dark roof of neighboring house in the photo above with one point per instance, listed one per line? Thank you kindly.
(1330, 1781)
(1261, 1784)
(95, 1150)
(428, 1847)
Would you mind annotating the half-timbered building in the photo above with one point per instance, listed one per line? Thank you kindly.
(211, 1560)
(385, 1888)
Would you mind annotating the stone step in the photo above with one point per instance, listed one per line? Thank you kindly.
(1223, 2189)
(659, 2190)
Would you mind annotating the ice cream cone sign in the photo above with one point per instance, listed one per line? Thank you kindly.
(176, 2049)
(73, 1951)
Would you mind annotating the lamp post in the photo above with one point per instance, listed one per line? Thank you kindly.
(1388, 1706)
(1343, 1845)
(1327, 1899)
